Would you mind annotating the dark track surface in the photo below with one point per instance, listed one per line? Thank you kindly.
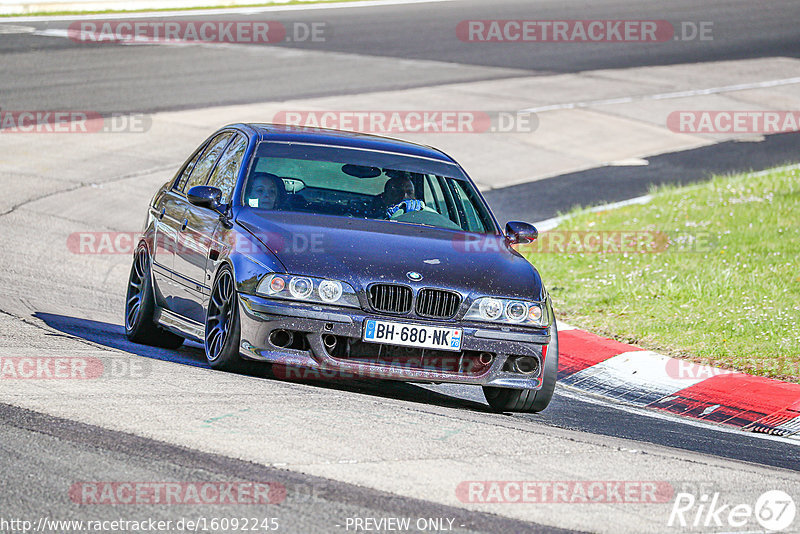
(543, 199)
(567, 410)
(57, 73)
(99, 454)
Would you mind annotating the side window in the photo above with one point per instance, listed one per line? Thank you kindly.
(181, 182)
(206, 163)
(448, 200)
(474, 223)
(227, 169)
(433, 195)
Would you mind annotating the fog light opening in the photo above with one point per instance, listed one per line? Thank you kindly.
(281, 338)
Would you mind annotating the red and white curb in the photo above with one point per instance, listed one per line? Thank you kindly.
(642, 378)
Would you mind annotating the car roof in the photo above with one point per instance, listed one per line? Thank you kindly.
(322, 136)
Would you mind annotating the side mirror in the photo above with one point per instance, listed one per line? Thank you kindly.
(205, 196)
(520, 233)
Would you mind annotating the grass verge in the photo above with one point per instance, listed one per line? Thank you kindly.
(709, 272)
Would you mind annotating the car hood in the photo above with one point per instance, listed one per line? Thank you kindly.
(362, 251)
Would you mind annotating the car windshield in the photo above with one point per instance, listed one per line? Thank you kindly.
(365, 184)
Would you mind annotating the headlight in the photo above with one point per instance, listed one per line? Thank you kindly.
(516, 311)
(276, 285)
(490, 309)
(306, 288)
(301, 287)
(521, 312)
(330, 290)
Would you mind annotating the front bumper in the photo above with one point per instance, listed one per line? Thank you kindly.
(260, 316)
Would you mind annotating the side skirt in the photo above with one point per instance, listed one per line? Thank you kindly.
(179, 325)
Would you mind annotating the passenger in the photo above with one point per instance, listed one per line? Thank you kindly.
(266, 191)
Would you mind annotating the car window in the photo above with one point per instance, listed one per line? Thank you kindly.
(180, 183)
(327, 174)
(199, 175)
(428, 196)
(467, 208)
(365, 184)
(226, 171)
(435, 197)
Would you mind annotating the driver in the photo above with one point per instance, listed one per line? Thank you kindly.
(265, 191)
(398, 196)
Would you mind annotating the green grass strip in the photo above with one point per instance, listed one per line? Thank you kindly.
(715, 276)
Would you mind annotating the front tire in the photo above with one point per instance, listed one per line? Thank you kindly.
(223, 329)
(529, 400)
(140, 326)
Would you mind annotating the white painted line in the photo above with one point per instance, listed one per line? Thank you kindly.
(644, 199)
(7, 29)
(76, 35)
(580, 395)
(776, 169)
(225, 11)
(665, 96)
(638, 377)
(549, 224)
(791, 426)
(576, 105)
(629, 162)
(727, 88)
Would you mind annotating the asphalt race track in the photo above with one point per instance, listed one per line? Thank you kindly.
(345, 449)
(75, 75)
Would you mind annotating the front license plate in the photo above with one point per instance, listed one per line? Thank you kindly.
(412, 335)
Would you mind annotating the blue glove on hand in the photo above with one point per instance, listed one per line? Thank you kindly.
(407, 206)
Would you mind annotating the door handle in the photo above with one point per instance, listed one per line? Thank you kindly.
(184, 225)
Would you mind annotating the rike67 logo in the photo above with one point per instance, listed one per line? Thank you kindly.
(773, 511)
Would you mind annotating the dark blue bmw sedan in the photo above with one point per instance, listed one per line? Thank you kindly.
(345, 254)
